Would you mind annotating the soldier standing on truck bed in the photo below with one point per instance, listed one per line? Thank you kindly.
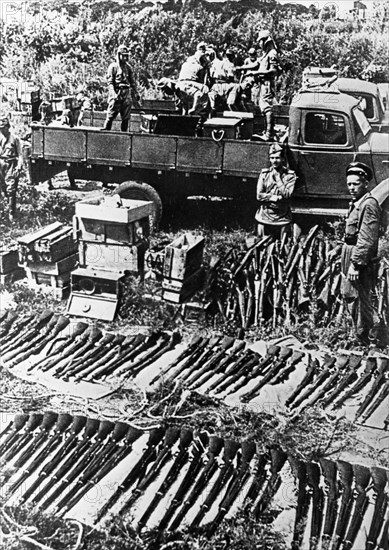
(121, 85)
(11, 164)
(274, 189)
(359, 254)
(191, 82)
(265, 69)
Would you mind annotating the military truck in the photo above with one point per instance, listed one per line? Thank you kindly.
(168, 162)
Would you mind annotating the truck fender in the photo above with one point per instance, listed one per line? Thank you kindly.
(381, 193)
(143, 192)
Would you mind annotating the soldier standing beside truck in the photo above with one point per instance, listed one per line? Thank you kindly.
(11, 164)
(359, 254)
(121, 86)
(275, 186)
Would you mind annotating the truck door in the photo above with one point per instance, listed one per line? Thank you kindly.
(326, 148)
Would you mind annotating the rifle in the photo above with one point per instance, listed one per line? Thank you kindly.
(237, 482)
(63, 423)
(33, 422)
(380, 481)
(228, 359)
(215, 446)
(312, 368)
(226, 343)
(196, 340)
(259, 477)
(248, 374)
(264, 278)
(346, 481)
(102, 357)
(205, 354)
(340, 364)
(313, 476)
(250, 299)
(105, 366)
(254, 249)
(54, 327)
(26, 338)
(362, 478)
(351, 375)
(299, 469)
(278, 459)
(164, 347)
(330, 474)
(283, 355)
(50, 354)
(189, 479)
(196, 353)
(148, 346)
(370, 368)
(14, 428)
(242, 358)
(89, 357)
(94, 467)
(382, 369)
(7, 320)
(15, 329)
(294, 259)
(231, 448)
(94, 334)
(137, 471)
(76, 427)
(316, 383)
(186, 438)
(288, 368)
(104, 429)
(95, 477)
(77, 449)
(164, 455)
(380, 398)
(237, 373)
(31, 337)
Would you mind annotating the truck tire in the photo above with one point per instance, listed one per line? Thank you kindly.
(142, 192)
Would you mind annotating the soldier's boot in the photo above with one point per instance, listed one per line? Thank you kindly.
(108, 125)
(124, 126)
(269, 118)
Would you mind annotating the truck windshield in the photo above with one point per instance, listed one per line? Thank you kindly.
(362, 125)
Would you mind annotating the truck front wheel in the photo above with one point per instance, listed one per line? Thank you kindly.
(142, 192)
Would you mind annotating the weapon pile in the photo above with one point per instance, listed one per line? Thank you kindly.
(275, 281)
(79, 351)
(218, 366)
(53, 460)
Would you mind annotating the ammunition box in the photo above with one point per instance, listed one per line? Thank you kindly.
(129, 211)
(179, 291)
(49, 244)
(113, 257)
(183, 257)
(228, 128)
(148, 123)
(8, 259)
(110, 233)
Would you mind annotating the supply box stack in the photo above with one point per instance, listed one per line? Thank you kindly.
(48, 256)
(9, 268)
(112, 236)
(182, 270)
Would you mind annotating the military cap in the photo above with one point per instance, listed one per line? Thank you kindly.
(276, 148)
(202, 46)
(230, 51)
(360, 169)
(263, 35)
(252, 51)
(122, 49)
(4, 121)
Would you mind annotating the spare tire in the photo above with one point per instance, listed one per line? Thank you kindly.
(142, 192)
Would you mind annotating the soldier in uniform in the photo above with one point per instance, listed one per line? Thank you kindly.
(191, 82)
(121, 86)
(265, 69)
(224, 91)
(11, 164)
(274, 189)
(359, 254)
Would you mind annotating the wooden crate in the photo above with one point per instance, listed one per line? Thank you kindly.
(8, 259)
(112, 257)
(62, 267)
(111, 233)
(49, 244)
(11, 276)
(183, 256)
(130, 211)
(179, 291)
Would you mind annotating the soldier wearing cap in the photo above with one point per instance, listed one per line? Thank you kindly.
(274, 189)
(265, 69)
(121, 90)
(191, 82)
(225, 92)
(359, 253)
(11, 163)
